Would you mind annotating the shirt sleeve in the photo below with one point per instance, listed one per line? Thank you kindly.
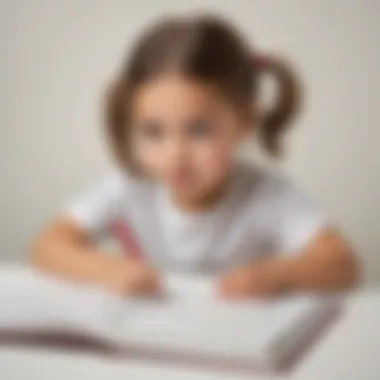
(95, 208)
(298, 220)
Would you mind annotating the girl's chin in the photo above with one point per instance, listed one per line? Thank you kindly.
(185, 191)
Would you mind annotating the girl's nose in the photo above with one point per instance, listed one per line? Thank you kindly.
(177, 150)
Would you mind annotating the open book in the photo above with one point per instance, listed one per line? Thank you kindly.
(188, 325)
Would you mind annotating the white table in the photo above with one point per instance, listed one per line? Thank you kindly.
(349, 351)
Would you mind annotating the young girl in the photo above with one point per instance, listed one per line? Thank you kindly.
(175, 116)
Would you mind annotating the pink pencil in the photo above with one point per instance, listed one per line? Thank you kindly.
(128, 241)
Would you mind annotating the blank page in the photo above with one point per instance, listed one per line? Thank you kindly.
(192, 319)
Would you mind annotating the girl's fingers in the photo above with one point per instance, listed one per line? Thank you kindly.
(147, 283)
(232, 287)
(241, 285)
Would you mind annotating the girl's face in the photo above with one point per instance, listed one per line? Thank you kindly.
(184, 134)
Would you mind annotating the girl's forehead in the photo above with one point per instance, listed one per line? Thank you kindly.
(176, 92)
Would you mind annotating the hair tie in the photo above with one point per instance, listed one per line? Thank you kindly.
(261, 61)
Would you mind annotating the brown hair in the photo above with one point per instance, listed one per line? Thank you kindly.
(210, 50)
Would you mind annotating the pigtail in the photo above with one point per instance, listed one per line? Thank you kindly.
(275, 121)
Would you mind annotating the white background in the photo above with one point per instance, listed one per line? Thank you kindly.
(57, 56)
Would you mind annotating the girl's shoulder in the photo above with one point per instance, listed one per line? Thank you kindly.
(268, 185)
(277, 203)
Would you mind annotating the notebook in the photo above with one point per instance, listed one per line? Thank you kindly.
(188, 325)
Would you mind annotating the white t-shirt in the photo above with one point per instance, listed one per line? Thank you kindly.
(262, 213)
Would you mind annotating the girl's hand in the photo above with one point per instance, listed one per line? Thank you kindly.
(249, 281)
(133, 277)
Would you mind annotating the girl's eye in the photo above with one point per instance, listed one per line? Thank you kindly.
(200, 129)
(152, 130)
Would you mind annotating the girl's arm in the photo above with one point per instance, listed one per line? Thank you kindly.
(66, 250)
(327, 264)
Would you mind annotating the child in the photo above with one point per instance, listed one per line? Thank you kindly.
(175, 115)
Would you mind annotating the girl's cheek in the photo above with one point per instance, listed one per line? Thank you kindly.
(149, 158)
